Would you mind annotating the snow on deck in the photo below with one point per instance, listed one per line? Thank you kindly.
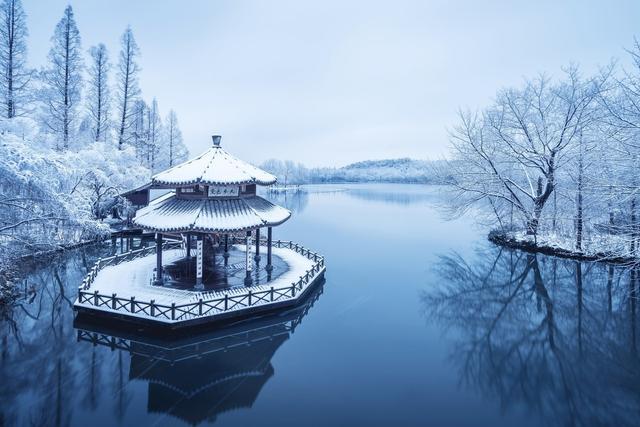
(134, 278)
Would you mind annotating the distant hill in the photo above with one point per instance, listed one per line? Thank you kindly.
(404, 170)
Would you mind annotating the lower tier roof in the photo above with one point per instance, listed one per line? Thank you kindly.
(171, 214)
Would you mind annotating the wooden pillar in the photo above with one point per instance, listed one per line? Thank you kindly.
(188, 245)
(257, 257)
(269, 241)
(247, 277)
(158, 258)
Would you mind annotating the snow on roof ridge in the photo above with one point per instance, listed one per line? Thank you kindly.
(247, 173)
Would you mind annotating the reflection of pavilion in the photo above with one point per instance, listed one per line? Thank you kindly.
(197, 378)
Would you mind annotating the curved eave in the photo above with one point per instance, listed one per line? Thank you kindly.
(210, 215)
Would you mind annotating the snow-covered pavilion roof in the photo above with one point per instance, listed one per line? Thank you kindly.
(171, 214)
(214, 167)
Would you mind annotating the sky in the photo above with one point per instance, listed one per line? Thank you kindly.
(331, 82)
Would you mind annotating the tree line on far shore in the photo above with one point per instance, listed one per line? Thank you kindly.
(404, 170)
(555, 161)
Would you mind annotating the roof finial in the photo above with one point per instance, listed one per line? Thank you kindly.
(216, 140)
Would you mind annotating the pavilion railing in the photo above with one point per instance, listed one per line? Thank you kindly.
(209, 303)
(123, 257)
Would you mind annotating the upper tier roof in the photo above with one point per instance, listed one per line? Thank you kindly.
(214, 167)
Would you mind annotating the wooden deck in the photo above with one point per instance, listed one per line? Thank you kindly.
(121, 286)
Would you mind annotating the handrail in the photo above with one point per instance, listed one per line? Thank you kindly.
(217, 302)
(125, 256)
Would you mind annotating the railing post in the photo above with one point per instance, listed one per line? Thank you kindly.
(173, 311)
(132, 308)
(200, 307)
(152, 308)
(249, 303)
(226, 301)
(113, 301)
(272, 294)
(95, 298)
(293, 290)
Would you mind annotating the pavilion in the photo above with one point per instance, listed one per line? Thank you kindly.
(214, 197)
(211, 206)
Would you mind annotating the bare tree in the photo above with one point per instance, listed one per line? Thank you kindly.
(128, 90)
(509, 154)
(14, 73)
(177, 152)
(139, 128)
(64, 78)
(155, 125)
(98, 92)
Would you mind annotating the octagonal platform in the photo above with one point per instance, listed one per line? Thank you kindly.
(123, 285)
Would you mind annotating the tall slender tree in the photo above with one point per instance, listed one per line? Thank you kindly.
(139, 128)
(176, 151)
(98, 92)
(64, 78)
(14, 73)
(128, 90)
(155, 126)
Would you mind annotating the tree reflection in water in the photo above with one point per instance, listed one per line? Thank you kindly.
(556, 336)
(42, 374)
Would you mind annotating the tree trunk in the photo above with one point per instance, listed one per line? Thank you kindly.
(632, 247)
(579, 216)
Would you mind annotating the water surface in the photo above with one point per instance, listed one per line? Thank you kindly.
(421, 321)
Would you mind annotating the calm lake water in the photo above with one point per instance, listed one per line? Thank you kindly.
(421, 321)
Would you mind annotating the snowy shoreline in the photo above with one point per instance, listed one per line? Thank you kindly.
(547, 246)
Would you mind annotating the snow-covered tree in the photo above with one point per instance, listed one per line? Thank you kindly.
(63, 79)
(175, 149)
(14, 74)
(154, 131)
(139, 129)
(509, 155)
(98, 97)
(128, 90)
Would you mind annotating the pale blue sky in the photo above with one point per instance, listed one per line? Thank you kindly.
(330, 82)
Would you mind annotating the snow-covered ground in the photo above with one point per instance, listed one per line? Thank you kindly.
(594, 246)
(134, 278)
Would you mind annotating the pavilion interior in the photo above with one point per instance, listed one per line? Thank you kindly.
(218, 272)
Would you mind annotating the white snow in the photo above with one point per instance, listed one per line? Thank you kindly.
(173, 214)
(134, 279)
(214, 167)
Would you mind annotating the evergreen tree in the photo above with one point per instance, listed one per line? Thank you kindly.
(98, 92)
(128, 90)
(63, 78)
(14, 75)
